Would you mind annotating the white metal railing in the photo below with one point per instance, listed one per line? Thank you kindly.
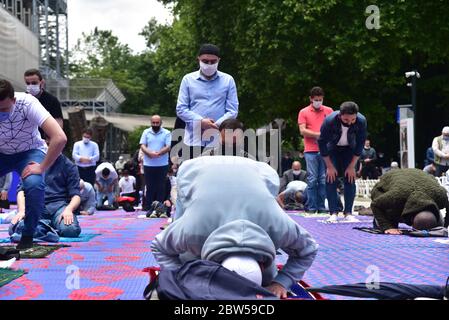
(364, 187)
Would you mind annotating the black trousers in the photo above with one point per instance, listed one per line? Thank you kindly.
(87, 174)
(134, 194)
(155, 183)
(440, 169)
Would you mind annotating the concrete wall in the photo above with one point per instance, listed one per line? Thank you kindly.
(19, 49)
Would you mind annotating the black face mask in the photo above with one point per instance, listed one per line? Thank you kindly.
(156, 128)
(345, 125)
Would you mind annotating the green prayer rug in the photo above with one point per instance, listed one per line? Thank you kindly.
(38, 251)
(7, 275)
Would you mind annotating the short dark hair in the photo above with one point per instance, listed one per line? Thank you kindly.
(6, 90)
(89, 131)
(209, 48)
(299, 197)
(125, 171)
(233, 124)
(349, 107)
(33, 72)
(317, 92)
(105, 172)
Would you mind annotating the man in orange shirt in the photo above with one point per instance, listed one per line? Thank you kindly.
(310, 120)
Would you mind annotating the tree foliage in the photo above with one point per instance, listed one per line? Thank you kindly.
(278, 49)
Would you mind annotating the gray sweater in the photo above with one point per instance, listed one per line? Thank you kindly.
(5, 182)
(228, 205)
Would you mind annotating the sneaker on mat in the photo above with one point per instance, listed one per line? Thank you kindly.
(154, 215)
(351, 218)
(333, 218)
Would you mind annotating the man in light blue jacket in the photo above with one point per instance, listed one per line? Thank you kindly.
(227, 207)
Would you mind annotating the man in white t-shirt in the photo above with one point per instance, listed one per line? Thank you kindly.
(127, 185)
(23, 150)
(105, 183)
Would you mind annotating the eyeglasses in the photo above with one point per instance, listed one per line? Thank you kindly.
(206, 61)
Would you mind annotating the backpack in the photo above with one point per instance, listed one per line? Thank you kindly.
(205, 280)
(126, 203)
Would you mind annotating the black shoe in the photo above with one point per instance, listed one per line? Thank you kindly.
(26, 242)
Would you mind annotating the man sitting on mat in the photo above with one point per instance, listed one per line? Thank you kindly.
(62, 199)
(230, 215)
(408, 196)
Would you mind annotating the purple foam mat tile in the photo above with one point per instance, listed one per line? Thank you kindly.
(348, 256)
(111, 265)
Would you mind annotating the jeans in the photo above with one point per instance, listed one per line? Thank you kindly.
(341, 158)
(440, 169)
(105, 184)
(155, 182)
(33, 185)
(67, 231)
(52, 219)
(316, 181)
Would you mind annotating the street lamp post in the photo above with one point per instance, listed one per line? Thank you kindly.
(413, 75)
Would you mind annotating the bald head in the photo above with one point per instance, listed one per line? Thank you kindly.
(425, 220)
(156, 119)
(156, 123)
(296, 165)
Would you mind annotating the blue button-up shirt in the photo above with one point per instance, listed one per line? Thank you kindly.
(88, 150)
(200, 98)
(155, 142)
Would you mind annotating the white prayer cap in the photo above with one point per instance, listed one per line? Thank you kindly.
(445, 130)
(394, 164)
(120, 158)
(245, 266)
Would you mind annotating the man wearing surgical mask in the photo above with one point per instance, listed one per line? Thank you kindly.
(35, 86)
(23, 150)
(310, 120)
(86, 154)
(294, 174)
(341, 142)
(207, 97)
(155, 144)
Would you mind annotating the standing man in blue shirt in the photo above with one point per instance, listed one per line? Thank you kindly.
(86, 155)
(343, 135)
(206, 98)
(155, 144)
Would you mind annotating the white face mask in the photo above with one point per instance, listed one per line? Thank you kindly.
(317, 104)
(208, 69)
(34, 89)
(296, 172)
(86, 140)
